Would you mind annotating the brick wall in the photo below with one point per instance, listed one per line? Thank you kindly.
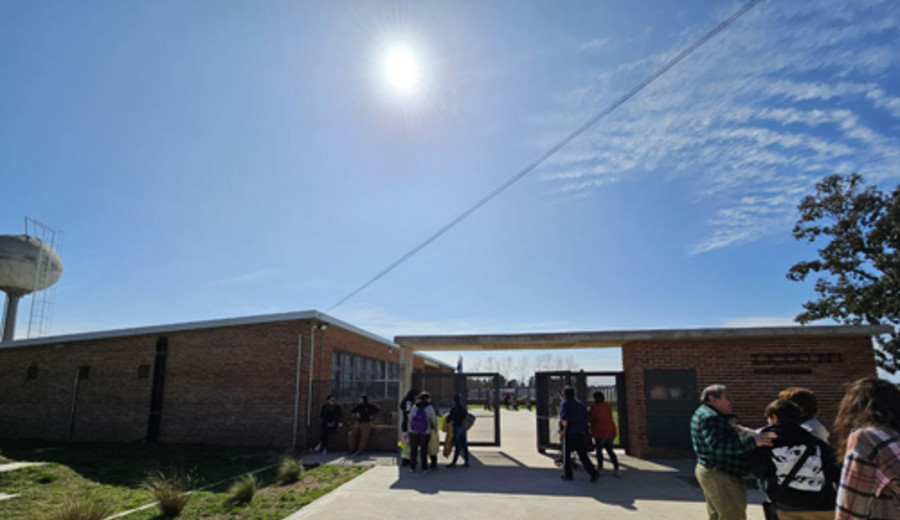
(731, 362)
(228, 385)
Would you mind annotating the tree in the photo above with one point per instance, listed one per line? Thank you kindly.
(859, 267)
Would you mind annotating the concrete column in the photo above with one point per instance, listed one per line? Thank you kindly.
(9, 321)
(406, 372)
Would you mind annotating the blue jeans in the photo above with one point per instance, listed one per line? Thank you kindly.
(605, 444)
(460, 443)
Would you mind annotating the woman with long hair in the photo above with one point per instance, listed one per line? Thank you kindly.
(868, 431)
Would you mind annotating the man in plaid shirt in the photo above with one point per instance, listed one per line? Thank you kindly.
(722, 455)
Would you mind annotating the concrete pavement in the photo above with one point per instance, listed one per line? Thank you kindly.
(514, 482)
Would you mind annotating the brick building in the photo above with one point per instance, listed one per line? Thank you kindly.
(665, 370)
(257, 380)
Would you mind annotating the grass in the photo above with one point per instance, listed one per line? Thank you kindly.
(85, 507)
(117, 473)
(170, 492)
(290, 470)
(270, 502)
(242, 490)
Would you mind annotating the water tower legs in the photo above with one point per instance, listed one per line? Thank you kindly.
(9, 321)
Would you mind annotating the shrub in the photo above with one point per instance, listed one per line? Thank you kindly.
(289, 470)
(243, 489)
(170, 492)
(82, 508)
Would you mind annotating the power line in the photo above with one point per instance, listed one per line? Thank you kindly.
(558, 146)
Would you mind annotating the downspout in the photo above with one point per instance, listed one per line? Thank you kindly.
(312, 346)
(297, 393)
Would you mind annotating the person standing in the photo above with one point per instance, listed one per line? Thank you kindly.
(807, 492)
(868, 430)
(573, 419)
(422, 421)
(722, 455)
(330, 420)
(603, 430)
(406, 406)
(363, 413)
(457, 417)
(809, 407)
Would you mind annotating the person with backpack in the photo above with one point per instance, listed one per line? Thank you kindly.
(359, 436)
(798, 472)
(868, 431)
(422, 420)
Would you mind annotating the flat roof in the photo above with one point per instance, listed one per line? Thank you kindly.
(199, 325)
(211, 324)
(605, 339)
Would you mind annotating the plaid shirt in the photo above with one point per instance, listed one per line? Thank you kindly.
(872, 461)
(716, 443)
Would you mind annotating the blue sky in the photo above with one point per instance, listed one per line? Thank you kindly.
(215, 159)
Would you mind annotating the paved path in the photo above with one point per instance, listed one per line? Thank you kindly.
(515, 482)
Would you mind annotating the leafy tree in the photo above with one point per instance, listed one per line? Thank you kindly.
(859, 267)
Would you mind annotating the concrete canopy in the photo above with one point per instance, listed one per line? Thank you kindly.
(606, 339)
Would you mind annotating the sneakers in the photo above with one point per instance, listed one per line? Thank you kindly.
(424, 471)
(595, 477)
(567, 479)
(324, 451)
(318, 447)
(451, 466)
(412, 470)
(616, 474)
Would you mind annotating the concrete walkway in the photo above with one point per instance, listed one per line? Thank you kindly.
(514, 482)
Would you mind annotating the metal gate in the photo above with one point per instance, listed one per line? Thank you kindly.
(549, 392)
(482, 393)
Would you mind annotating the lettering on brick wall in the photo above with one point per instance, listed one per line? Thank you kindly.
(796, 358)
(782, 371)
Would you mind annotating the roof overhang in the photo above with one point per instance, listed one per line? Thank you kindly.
(606, 339)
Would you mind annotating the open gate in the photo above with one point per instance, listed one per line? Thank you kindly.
(482, 395)
(549, 393)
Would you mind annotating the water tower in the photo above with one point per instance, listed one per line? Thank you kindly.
(27, 264)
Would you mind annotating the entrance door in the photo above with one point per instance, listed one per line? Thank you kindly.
(549, 392)
(482, 393)
(671, 401)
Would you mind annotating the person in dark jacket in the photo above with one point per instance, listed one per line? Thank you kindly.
(573, 417)
(406, 406)
(458, 415)
(812, 492)
(330, 418)
(359, 436)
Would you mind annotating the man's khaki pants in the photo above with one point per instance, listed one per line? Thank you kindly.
(359, 436)
(726, 496)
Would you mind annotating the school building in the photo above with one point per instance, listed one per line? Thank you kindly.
(260, 380)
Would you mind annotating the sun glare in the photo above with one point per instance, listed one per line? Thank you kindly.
(401, 69)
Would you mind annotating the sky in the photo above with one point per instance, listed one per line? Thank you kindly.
(207, 160)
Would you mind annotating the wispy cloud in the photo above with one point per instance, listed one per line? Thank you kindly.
(789, 94)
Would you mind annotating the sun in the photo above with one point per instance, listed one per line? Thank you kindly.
(402, 69)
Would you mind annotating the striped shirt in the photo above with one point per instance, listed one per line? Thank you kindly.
(872, 461)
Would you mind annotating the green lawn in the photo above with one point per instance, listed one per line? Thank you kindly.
(114, 473)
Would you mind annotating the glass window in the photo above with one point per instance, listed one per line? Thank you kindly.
(353, 375)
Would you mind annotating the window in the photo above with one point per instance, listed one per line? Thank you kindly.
(352, 375)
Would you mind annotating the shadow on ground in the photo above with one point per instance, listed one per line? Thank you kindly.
(658, 480)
